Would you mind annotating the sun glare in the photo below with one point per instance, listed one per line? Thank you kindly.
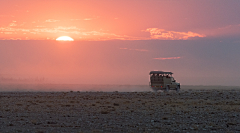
(64, 38)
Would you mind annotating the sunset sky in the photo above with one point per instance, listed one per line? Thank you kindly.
(119, 42)
(123, 20)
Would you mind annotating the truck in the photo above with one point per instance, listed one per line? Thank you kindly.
(160, 80)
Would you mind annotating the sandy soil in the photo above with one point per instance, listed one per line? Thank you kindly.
(187, 111)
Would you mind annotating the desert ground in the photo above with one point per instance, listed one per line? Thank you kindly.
(76, 111)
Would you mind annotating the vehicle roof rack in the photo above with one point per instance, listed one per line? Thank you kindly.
(160, 72)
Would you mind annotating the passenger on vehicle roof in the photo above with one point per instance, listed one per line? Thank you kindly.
(153, 76)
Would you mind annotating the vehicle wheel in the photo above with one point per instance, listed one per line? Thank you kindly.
(178, 88)
(167, 88)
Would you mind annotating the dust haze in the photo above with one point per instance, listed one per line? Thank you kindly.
(52, 65)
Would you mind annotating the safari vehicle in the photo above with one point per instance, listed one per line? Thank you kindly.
(160, 80)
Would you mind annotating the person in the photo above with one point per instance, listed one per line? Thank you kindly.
(152, 77)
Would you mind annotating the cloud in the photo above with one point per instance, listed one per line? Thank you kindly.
(10, 29)
(228, 30)
(39, 26)
(39, 30)
(78, 33)
(171, 35)
(167, 58)
(8, 32)
(87, 19)
(51, 20)
(82, 34)
(70, 30)
(15, 39)
(67, 28)
(141, 50)
(12, 24)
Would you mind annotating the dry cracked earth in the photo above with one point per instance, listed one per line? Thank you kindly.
(186, 111)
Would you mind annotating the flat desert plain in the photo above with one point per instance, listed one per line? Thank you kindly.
(186, 111)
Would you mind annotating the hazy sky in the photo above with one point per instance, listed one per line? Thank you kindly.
(119, 42)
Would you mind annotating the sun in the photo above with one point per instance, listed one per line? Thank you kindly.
(64, 38)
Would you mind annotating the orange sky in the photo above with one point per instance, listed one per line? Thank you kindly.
(122, 20)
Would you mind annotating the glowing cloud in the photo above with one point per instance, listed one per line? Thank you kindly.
(167, 58)
(80, 33)
(141, 50)
(12, 24)
(91, 18)
(171, 35)
(51, 20)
